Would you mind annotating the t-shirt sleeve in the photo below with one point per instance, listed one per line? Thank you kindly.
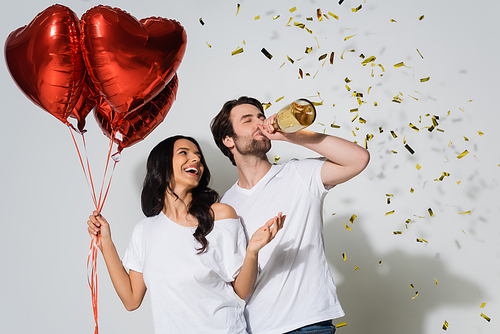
(134, 255)
(229, 246)
(309, 172)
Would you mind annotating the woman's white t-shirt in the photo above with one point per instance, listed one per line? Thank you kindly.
(190, 292)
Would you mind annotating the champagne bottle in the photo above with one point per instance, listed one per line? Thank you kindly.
(297, 115)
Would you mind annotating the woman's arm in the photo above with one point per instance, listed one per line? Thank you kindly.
(130, 287)
(244, 283)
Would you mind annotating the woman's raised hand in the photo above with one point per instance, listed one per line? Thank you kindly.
(98, 226)
(266, 233)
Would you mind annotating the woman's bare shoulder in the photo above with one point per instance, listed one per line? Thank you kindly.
(223, 211)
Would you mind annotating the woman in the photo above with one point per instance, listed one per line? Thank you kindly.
(190, 249)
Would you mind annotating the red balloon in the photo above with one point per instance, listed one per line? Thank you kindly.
(130, 61)
(44, 59)
(85, 103)
(137, 125)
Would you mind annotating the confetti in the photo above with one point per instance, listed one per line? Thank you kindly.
(416, 295)
(411, 286)
(333, 15)
(413, 127)
(420, 54)
(301, 74)
(300, 25)
(418, 166)
(409, 149)
(319, 15)
(201, 21)
(344, 257)
(480, 133)
(346, 38)
(276, 17)
(353, 217)
(486, 317)
(323, 56)
(425, 79)
(267, 105)
(482, 305)
(357, 8)
(331, 58)
(463, 154)
(293, 9)
(380, 262)
(266, 53)
(430, 212)
(394, 134)
(422, 240)
(420, 18)
(464, 213)
(308, 49)
(437, 282)
(208, 45)
(290, 59)
(288, 23)
(412, 190)
(368, 60)
(389, 213)
(392, 20)
(401, 64)
(237, 51)
(347, 227)
(238, 9)
(257, 17)
(281, 98)
(397, 232)
(356, 268)
(445, 325)
(335, 126)
(342, 324)
(348, 88)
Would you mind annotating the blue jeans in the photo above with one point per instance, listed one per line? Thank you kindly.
(324, 327)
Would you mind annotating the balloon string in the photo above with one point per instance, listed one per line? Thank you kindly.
(101, 204)
(92, 278)
(90, 173)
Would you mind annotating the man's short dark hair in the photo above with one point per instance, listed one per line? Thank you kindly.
(221, 125)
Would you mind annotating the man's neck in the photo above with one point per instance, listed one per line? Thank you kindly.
(251, 170)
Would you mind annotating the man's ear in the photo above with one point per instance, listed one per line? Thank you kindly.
(228, 142)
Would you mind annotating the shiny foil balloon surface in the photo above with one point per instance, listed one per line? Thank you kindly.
(44, 59)
(137, 125)
(130, 61)
(85, 103)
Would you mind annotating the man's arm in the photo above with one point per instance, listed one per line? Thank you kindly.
(345, 159)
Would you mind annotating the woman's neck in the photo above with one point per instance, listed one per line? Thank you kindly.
(176, 208)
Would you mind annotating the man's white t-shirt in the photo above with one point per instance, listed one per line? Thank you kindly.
(295, 287)
(190, 292)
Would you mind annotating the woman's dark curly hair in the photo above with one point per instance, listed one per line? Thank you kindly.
(158, 180)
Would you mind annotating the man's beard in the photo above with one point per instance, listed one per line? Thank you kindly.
(252, 146)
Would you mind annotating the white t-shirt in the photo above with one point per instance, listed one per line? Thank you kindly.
(295, 287)
(190, 293)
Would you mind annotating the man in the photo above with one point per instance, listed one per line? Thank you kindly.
(295, 290)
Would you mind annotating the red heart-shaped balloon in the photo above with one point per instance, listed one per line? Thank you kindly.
(44, 59)
(137, 125)
(85, 103)
(130, 61)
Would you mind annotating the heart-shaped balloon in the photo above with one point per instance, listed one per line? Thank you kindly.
(130, 61)
(44, 59)
(137, 125)
(85, 103)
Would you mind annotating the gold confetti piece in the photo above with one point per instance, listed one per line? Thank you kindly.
(392, 20)
(342, 55)
(486, 317)
(418, 166)
(362, 121)
(411, 286)
(425, 79)
(208, 45)
(347, 80)
(413, 97)
(257, 17)
(317, 43)
(317, 103)
(357, 8)
(353, 217)
(401, 64)
(335, 126)
(266, 53)
(308, 30)
(318, 13)
(420, 54)
(308, 49)
(331, 58)
(342, 324)
(390, 212)
(301, 74)
(265, 106)
(281, 98)
(293, 9)
(368, 60)
(422, 240)
(354, 120)
(409, 149)
(437, 282)
(323, 56)
(412, 190)
(445, 325)
(344, 257)
(237, 51)
(347, 227)
(404, 139)
(416, 295)
(466, 139)
(382, 67)
(458, 182)
(300, 25)
(394, 134)
(463, 154)
(420, 18)
(413, 127)
(375, 104)
(283, 64)
(238, 9)
(380, 262)
(356, 268)
(464, 213)
(346, 38)
(430, 212)
(276, 158)
(333, 15)
(362, 56)
(394, 152)
(333, 214)
(480, 133)
(288, 23)
(201, 21)
(276, 17)
(348, 88)
(397, 232)
(482, 305)
(290, 59)
(356, 94)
